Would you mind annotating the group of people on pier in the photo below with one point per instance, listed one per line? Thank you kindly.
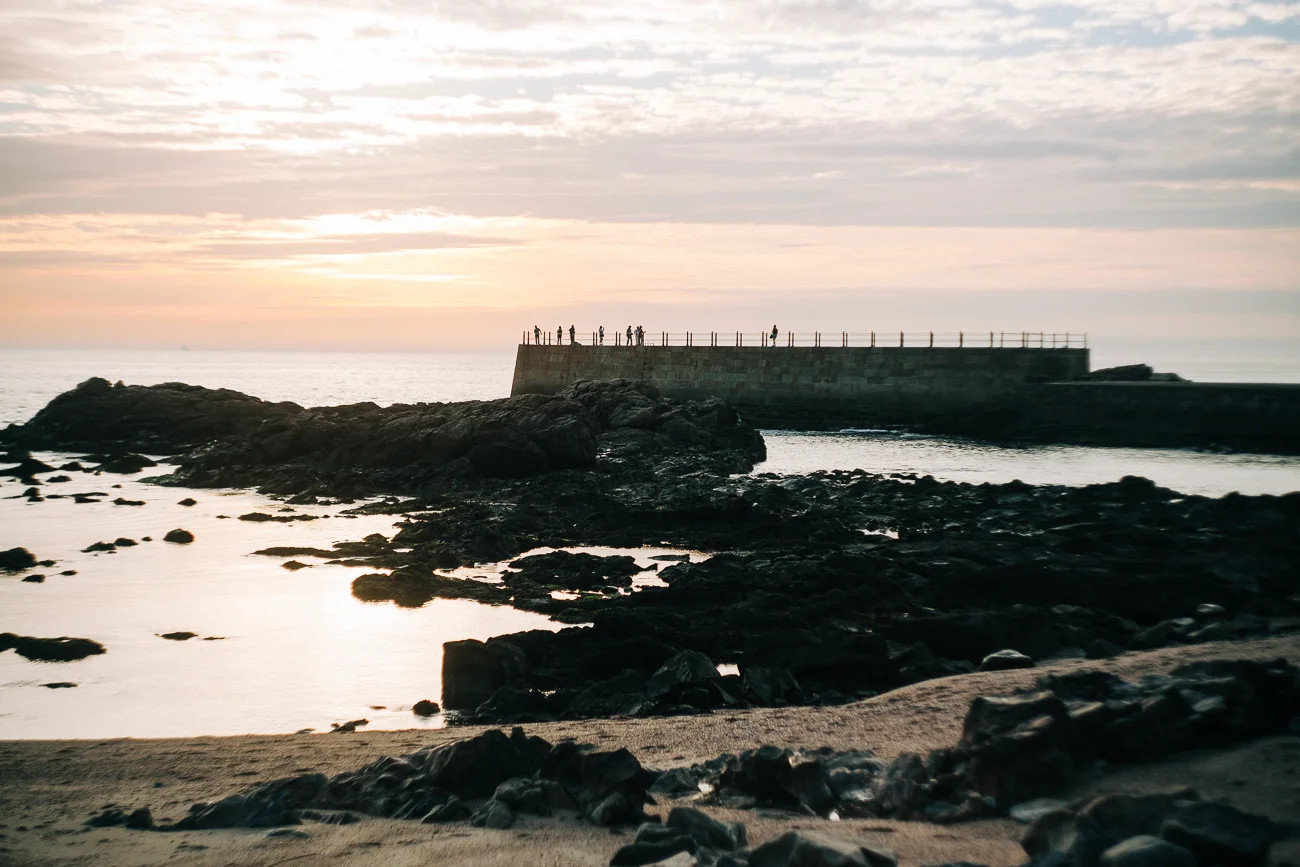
(635, 336)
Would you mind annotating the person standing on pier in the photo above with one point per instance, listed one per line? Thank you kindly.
(559, 335)
(537, 334)
(774, 335)
(572, 336)
(602, 335)
(629, 335)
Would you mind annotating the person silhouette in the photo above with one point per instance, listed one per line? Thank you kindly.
(559, 334)
(602, 335)
(629, 335)
(774, 335)
(572, 335)
(537, 334)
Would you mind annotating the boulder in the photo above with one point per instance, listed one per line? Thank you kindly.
(16, 560)
(688, 666)
(707, 831)
(473, 670)
(816, 849)
(424, 707)
(493, 814)
(1220, 834)
(179, 537)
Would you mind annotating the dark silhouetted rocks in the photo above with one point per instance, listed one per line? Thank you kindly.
(50, 649)
(179, 537)
(16, 560)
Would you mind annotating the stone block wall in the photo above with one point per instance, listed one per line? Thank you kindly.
(881, 384)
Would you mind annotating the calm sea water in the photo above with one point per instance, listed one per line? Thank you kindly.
(295, 649)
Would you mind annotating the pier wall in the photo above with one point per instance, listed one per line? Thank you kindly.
(1262, 417)
(850, 384)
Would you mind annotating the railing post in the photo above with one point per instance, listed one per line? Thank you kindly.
(900, 338)
(873, 340)
(990, 340)
(961, 339)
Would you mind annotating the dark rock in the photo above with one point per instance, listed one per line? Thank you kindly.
(1219, 834)
(453, 811)
(99, 546)
(688, 666)
(188, 501)
(1146, 851)
(493, 814)
(294, 565)
(1018, 746)
(614, 809)
(815, 849)
(178, 636)
(50, 649)
(264, 806)
(563, 570)
(707, 831)
(474, 767)
(126, 464)
(180, 537)
(34, 579)
(651, 851)
(1005, 660)
(774, 687)
(59, 685)
(472, 671)
(424, 707)
(288, 833)
(16, 560)
(1081, 835)
(123, 542)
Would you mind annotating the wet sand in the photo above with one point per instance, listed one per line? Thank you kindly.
(48, 788)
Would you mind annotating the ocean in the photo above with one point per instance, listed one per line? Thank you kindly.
(294, 650)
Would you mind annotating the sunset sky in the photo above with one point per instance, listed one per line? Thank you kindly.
(308, 174)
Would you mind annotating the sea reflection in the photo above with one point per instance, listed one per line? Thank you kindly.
(296, 650)
(1211, 475)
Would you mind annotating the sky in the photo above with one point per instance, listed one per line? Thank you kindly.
(309, 174)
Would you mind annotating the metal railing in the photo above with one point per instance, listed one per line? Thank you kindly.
(880, 339)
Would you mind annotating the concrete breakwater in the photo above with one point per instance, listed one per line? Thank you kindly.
(806, 384)
(1024, 394)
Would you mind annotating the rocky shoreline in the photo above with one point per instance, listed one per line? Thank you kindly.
(817, 590)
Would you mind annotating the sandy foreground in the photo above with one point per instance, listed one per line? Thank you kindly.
(49, 788)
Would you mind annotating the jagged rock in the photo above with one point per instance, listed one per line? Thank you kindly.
(34, 579)
(707, 831)
(493, 814)
(1081, 835)
(814, 849)
(1146, 851)
(1018, 746)
(473, 670)
(264, 806)
(453, 811)
(1219, 834)
(688, 666)
(1005, 660)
